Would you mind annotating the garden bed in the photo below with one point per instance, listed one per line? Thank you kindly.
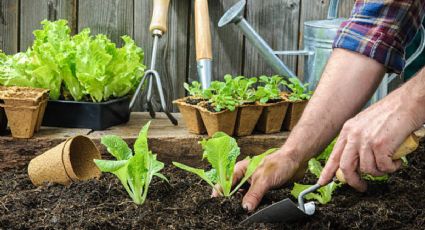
(185, 204)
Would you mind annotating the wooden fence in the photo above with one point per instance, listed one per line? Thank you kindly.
(278, 21)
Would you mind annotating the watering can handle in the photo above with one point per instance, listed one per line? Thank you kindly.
(333, 9)
(159, 17)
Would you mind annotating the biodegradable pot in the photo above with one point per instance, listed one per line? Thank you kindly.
(72, 160)
(247, 118)
(272, 117)
(24, 108)
(223, 121)
(293, 115)
(191, 116)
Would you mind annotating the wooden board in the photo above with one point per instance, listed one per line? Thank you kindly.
(170, 142)
(227, 44)
(172, 49)
(111, 17)
(277, 21)
(35, 11)
(9, 26)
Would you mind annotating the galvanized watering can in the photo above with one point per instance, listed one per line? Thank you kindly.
(318, 39)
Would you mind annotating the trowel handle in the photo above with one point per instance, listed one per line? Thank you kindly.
(159, 16)
(408, 146)
(202, 30)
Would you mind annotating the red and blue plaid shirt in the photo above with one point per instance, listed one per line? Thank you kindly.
(381, 29)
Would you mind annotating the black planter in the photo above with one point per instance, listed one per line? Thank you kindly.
(97, 116)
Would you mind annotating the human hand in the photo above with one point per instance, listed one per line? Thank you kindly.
(368, 141)
(276, 169)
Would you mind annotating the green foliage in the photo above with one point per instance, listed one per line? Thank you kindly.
(299, 91)
(135, 172)
(221, 151)
(194, 89)
(242, 88)
(270, 89)
(221, 96)
(81, 66)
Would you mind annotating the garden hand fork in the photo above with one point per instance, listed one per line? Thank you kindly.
(158, 28)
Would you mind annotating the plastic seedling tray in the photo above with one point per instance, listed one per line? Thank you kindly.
(97, 116)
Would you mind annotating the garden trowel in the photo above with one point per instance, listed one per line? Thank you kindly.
(289, 211)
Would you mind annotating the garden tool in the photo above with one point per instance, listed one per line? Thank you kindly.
(203, 42)
(158, 28)
(288, 211)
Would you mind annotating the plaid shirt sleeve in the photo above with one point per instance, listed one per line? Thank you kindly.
(380, 29)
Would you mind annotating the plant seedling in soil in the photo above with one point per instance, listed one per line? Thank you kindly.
(242, 88)
(270, 91)
(221, 151)
(299, 91)
(134, 171)
(221, 96)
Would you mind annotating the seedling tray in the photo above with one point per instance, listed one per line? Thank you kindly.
(89, 115)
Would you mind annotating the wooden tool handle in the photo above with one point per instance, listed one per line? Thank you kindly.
(408, 146)
(159, 16)
(202, 30)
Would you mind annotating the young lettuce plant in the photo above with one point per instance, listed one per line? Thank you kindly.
(270, 89)
(243, 89)
(299, 91)
(221, 95)
(194, 89)
(135, 172)
(221, 151)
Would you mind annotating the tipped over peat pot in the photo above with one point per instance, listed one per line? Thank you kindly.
(247, 118)
(223, 121)
(272, 117)
(191, 116)
(293, 115)
(90, 115)
(72, 160)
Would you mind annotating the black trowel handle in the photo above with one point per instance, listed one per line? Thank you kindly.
(159, 17)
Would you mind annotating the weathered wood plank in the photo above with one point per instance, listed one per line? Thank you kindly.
(9, 26)
(111, 17)
(318, 10)
(227, 43)
(35, 11)
(171, 143)
(172, 49)
(277, 21)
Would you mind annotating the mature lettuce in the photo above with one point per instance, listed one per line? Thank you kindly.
(75, 67)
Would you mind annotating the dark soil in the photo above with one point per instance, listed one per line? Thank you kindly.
(193, 101)
(274, 100)
(185, 204)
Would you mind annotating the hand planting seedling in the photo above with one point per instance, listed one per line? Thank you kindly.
(299, 91)
(270, 91)
(221, 151)
(134, 171)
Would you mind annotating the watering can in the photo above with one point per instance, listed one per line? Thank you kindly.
(318, 39)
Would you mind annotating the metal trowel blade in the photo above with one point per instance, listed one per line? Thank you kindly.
(282, 211)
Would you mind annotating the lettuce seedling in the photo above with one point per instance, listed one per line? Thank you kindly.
(221, 95)
(134, 171)
(270, 89)
(242, 88)
(299, 91)
(194, 89)
(221, 151)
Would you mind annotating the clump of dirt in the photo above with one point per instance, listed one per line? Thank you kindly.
(185, 203)
(194, 100)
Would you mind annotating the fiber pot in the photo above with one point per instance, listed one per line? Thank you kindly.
(24, 109)
(247, 118)
(191, 116)
(272, 117)
(223, 121)
(72, 160)
(293, 115)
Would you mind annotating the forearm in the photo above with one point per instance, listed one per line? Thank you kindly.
(347, 83)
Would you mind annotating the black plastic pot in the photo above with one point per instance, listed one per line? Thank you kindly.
(97, 116)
